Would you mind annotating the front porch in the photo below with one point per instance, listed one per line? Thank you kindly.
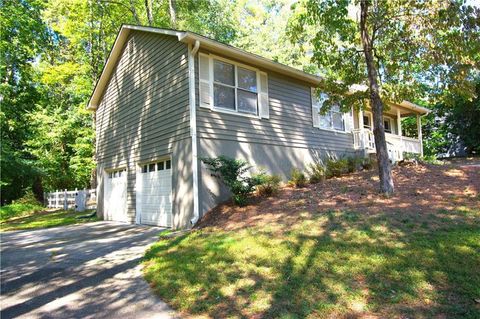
(397, 143)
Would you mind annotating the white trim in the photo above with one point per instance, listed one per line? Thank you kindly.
(193, 129)
(333, 130)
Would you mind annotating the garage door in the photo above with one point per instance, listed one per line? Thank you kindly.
(115, 203)
(154, 194)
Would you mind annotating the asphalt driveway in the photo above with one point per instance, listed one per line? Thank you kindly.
(80, 271)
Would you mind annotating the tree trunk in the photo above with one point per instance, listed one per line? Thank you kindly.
(384, 167)
(173, 14)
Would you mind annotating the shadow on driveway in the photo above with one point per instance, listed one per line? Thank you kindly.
(79, 271)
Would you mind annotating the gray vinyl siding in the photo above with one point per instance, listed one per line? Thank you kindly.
(144, 114)
(290, 123)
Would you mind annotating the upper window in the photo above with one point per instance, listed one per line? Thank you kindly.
(234, 88)
(387, 124)
(333, 119)
(367, 122)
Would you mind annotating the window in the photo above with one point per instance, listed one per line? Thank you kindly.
(156, 166)
(117, 173)
(334, 119)
(232, 87)
(367, 123)
(387, 123)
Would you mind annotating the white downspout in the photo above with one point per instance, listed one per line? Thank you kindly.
(193, 128)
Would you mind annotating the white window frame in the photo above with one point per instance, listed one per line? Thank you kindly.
(370, 117)
(213, 82)
(390, 120)
(331, 128)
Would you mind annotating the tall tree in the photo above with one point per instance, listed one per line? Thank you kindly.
(400, 49)
(24, 37)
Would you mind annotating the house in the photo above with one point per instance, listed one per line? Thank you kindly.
(167, 98)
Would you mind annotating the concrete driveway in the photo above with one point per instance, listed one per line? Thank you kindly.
(80, 271)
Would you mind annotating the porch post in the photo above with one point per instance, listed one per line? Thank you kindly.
(399, 123)
(360, 128)
(419, 133)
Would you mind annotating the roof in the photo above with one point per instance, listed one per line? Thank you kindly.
(211, 45)
(190, 37)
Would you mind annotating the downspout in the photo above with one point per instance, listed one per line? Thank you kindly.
(193, 129)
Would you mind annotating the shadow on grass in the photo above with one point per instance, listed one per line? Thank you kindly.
(333, 264)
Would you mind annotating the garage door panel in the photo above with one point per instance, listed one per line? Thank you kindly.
(115, 207)
(154, 199)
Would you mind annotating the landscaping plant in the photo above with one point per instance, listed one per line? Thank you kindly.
(336, 167)
(316, 172)
(298, 178)
(268, 184)
(233, 173)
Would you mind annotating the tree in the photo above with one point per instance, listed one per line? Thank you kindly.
(400, 49)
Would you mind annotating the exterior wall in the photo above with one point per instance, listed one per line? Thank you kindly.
(144, 116)
(286, 140)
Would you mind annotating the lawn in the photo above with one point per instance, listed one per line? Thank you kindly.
(333, 251)
(31, 216)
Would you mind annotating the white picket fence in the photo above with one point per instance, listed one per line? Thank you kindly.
(78, 199)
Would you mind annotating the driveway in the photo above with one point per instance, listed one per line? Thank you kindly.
(80, 271)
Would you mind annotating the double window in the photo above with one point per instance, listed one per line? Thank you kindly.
(232, 87)
(333, 119)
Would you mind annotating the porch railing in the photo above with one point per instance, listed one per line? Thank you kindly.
(364, 139)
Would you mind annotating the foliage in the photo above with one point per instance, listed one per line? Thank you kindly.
(316, 172)
(368, 163)
(268, 185)
(328, 264)
(297, 178)
(354, 163)
(435, 54)
(31, 217)
(233, 173)
(336, 167)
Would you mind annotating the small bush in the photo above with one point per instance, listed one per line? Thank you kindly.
(368, 163)
(316, 172)
(29, 198)
(233, 174)
(336, 167)
(268, 184)
(354, 164)
(298, 178)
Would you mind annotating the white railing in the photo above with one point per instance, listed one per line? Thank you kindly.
(396, 144)
(77, 199)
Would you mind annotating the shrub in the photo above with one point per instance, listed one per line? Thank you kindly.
(368, 163)
(336, 167)
(268, 184)
(29, 199)
(316, 172)
(354, 163)
(233, 174)
(298, 178)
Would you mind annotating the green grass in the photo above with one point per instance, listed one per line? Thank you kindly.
(333, 264)
(30, 216)
(18, 210)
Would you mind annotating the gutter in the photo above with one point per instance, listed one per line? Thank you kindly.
(193, 129)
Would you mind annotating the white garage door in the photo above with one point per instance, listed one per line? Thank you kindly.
(154, 194)
(115, 204)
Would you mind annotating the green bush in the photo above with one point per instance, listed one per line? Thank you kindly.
(316, 172)
(268, 184)
(336, 167)
(233, 174)
(28, 198)
(368, 163)
(354, 163)
(298, 178)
